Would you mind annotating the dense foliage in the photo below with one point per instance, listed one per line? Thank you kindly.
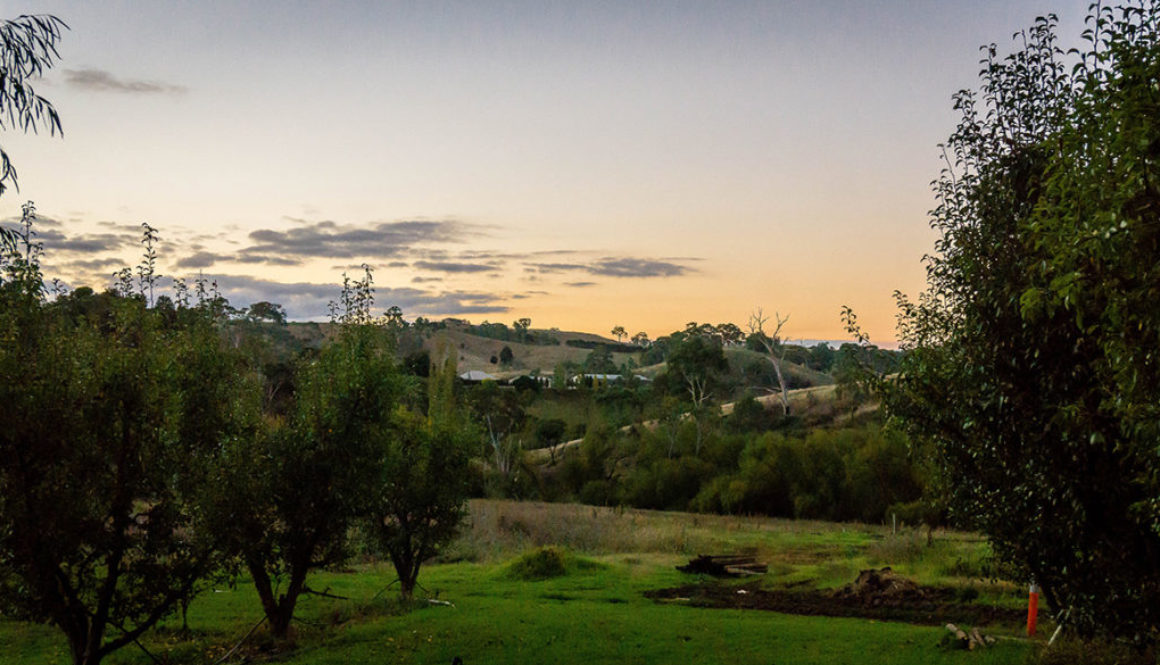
(853, 473)
(148, 446)
(1033, 371)
(292, 493)
(113, 421)
(421, 492)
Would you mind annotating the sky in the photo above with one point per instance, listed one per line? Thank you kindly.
(583, 164)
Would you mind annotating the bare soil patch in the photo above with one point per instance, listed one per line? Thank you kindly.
(875, 594)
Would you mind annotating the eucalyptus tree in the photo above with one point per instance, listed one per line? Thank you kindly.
(697, 362)
(771, 346)
(27, 50)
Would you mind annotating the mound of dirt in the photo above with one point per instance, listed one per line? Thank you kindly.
(873, 588)
(875, 594)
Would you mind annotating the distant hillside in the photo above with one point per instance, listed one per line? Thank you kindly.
(475, 353)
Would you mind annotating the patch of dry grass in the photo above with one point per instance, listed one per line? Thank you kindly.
(820, 554)
(474, 352)
(498, 529)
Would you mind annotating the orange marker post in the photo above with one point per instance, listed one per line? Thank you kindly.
(1032, 610)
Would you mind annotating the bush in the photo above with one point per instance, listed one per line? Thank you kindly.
(539, 564)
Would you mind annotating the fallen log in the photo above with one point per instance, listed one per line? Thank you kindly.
(972, 640)
(962, 640)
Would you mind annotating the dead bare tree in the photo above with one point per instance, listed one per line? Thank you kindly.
(774, 350)
(505, 447)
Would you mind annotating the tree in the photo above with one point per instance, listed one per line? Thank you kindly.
(114, 415)
(560, 377)
(550, 434)
(267, 311)
(821, 357)
(599, 361)
(619, 333)
(521, 327)
(27, 50)
(290, 494)
(443, 376)
(423, 485)
(699, 363)
(771, 345)
(393, 318)
(730, 334)
(502, 417)
(1031, 369)
(640, 339)
(506, 356)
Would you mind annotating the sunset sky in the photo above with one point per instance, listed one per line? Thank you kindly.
(584, 164)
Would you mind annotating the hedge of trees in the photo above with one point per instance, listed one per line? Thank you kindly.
(856, 473)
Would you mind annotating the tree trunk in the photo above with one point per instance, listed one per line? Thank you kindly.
(408, 571)
(78, 646)
(781, 384)
(279, 611)
(85, 647)
(406, 589)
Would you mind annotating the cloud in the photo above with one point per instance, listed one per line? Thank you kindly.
(617, 267)
(329, 239)
(41, 221)
(420, 280)
(307, 300)
(93, 265)
(447, 266)
(269, 260)
(630, 267)
(198, 260)
(302, 300)
(579, 284)
(460, 302)
(92, 243)
(99, 80)
(485, 255)
(205, 259)
(546, 268)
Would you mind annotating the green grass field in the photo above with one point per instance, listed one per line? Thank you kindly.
(596, 612)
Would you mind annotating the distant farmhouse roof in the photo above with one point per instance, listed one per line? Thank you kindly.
(608, 377)
(476, 375)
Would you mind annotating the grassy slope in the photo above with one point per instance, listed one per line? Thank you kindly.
(475, 352)
(596, 614)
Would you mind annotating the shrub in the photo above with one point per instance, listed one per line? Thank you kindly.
(539, 564)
